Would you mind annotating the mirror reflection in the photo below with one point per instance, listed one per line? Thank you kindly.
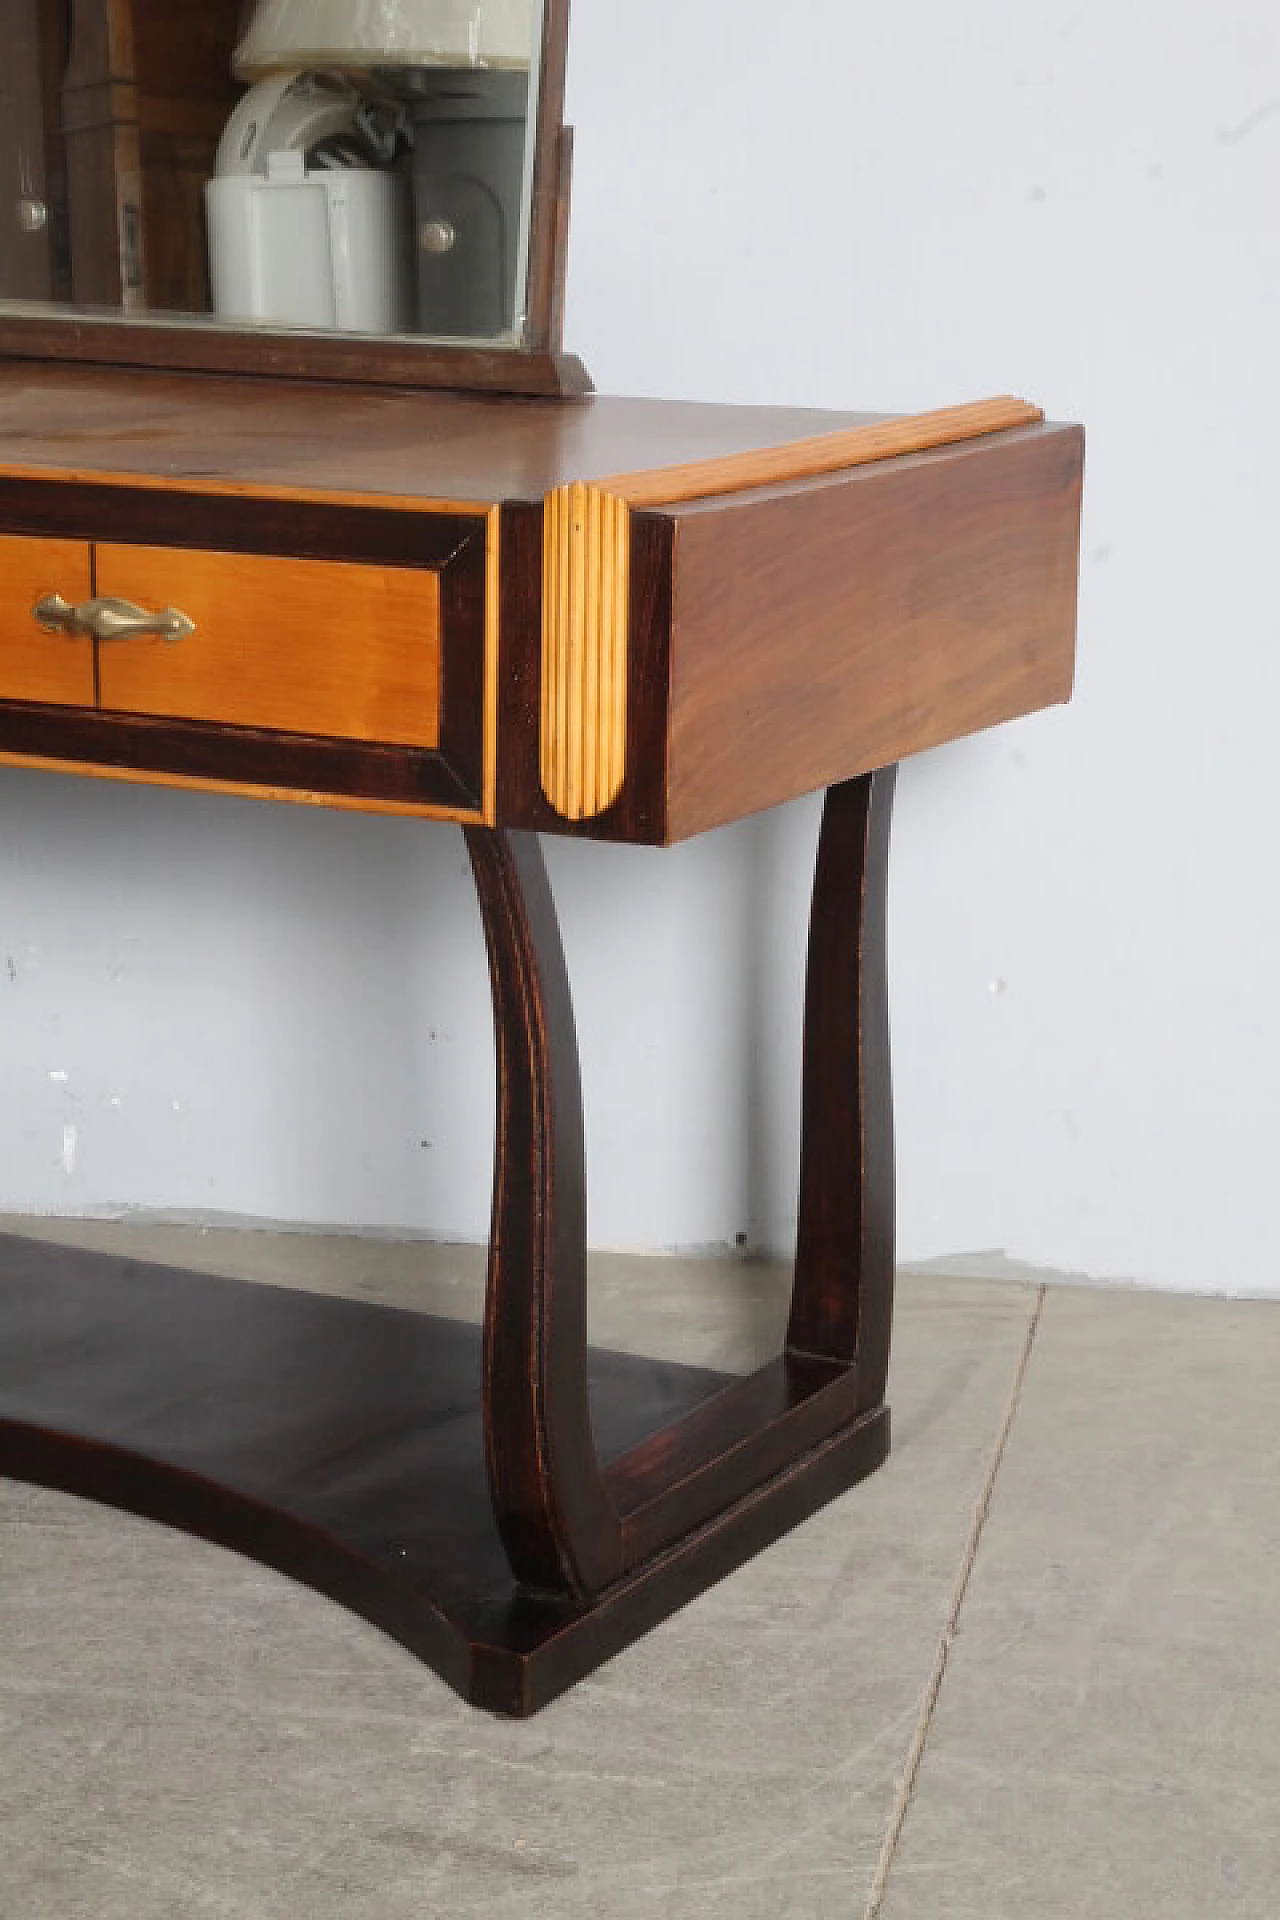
(360, 166)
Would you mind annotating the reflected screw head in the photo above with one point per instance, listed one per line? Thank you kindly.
(438, 236)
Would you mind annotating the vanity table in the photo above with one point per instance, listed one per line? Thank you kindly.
(446, 581)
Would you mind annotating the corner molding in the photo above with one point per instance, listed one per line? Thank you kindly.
(586, 590)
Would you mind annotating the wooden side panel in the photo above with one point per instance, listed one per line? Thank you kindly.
(836, 626)
(35, 665)
(304, 646)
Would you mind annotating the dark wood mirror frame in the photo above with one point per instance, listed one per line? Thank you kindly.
(101, 115)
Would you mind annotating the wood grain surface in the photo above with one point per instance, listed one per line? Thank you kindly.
(842, 624)
(35, 665)
(587, 583)
(450, 555)
(778, 640)
(280, 438)
(822, 454)
(586, 597)
(305, 646)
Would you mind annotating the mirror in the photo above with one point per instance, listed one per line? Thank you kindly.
(190, 180)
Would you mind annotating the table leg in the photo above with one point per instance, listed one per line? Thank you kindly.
(558, 1523)
(369, 1450)
(569, 1525)
(842, 1307)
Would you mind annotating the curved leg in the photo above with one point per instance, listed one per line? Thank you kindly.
(826, 1390)
(843, 1303)
(557, 1520)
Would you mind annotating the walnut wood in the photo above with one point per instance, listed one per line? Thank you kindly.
(826, 454)
(935, 592)
(934, 595)
(553, 1508)
(303, 646)
(842, 1308)
(281, 438)
(35, 665)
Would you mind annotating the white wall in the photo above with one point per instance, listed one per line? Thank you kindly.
(269, 1012)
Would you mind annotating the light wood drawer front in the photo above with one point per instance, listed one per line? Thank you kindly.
(322, 647)
(35, 665)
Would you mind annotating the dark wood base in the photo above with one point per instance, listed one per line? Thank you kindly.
(341, 1443)
(510, 1506)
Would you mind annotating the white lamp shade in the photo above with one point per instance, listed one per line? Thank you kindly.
(385, 33)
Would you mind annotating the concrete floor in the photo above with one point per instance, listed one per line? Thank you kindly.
(1030, 1670)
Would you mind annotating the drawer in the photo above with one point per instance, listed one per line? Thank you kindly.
(347, 651)
(333, 652)
(35, 665)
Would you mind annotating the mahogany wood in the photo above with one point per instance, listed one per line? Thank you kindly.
(553, 1509)
(229, 1418)
(336, 1441)
(842, 1310)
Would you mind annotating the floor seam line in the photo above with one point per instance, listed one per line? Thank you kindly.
(919, 1739)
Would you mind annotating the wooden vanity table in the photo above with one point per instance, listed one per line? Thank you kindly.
(301, 568)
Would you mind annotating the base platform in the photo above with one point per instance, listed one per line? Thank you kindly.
(340, 1442)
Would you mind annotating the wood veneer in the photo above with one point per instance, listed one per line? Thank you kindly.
(935, 590)
(36, 665)
(303, 646)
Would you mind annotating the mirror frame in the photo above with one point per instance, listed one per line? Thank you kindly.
(192, 344)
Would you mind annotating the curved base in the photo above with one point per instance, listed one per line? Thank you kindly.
(341, 1443)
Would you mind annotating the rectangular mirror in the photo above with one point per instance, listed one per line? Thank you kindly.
(352, 188)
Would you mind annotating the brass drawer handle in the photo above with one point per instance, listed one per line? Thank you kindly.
(110, 619)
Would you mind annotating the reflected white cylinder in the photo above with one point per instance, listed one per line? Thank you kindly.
(318, 250)
(386, 33)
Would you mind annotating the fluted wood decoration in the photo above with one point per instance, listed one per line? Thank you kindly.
(585, 592)
(587, 577)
